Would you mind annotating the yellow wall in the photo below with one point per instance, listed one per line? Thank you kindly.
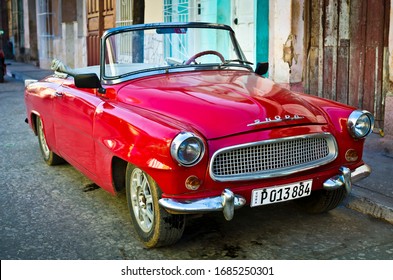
(154, 11)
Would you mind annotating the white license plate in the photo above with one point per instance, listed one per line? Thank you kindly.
(280, 193)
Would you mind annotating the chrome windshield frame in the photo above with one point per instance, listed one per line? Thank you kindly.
(108, 80)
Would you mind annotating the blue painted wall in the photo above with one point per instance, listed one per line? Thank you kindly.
(262, 30)
(224, 12)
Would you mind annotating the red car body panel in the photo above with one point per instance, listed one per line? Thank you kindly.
(218, 103)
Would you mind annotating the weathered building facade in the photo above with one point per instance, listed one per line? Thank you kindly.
(347, 52)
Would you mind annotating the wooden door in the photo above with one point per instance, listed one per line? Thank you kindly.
(100, 17)
(347, 52)
(243, 25)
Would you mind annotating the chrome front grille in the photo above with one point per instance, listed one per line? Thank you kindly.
(273, 158)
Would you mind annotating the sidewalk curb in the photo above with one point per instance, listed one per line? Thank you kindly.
(17, 75)
(22, 71)
(371, 207)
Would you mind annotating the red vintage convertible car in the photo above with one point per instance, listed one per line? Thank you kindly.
(175, 115)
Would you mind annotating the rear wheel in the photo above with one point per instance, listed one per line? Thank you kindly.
(153, 224)
(322, 201)
(49, 157)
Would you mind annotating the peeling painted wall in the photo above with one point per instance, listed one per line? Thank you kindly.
(279, 30)
(297, 30)
(286, 42)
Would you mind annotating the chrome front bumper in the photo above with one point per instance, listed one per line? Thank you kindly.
(227, 202)
(347, 177)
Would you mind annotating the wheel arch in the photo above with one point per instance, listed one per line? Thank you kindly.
(119, 167)
(127, 137)
(33, 121)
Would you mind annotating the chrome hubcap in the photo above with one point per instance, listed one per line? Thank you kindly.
(142, 200)
(44, 145)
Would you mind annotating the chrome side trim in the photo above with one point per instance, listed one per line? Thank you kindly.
(347, 177)
(226, 202)
(30, 81)
(272, 173)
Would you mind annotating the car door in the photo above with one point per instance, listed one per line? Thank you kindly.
(75, 111)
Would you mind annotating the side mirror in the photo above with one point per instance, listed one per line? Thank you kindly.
(89, 80)
(262, 68)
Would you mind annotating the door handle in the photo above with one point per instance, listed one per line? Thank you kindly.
(59, 94)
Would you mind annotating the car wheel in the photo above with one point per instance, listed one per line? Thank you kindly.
(322, 201)
(153, 224)
(49, 157)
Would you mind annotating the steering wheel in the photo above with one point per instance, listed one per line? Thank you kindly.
(195, 56)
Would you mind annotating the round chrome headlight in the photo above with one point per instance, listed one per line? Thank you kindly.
(360, 124)
(187, 149)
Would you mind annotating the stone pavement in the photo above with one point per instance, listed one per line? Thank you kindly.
(372, 196)
(22, 71)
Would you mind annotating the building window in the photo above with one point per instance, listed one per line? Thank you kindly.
(45, 28)
(123, 12)
(176, 10)
(168, 10)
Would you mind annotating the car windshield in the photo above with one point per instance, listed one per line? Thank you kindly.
(168, 47)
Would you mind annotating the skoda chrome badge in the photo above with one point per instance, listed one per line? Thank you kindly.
(276, 119)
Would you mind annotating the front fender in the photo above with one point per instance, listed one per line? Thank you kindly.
(136, 138)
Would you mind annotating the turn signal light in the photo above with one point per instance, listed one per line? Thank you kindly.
(193, 183)
(351, 155)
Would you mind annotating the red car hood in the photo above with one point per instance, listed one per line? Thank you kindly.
(220, 103)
